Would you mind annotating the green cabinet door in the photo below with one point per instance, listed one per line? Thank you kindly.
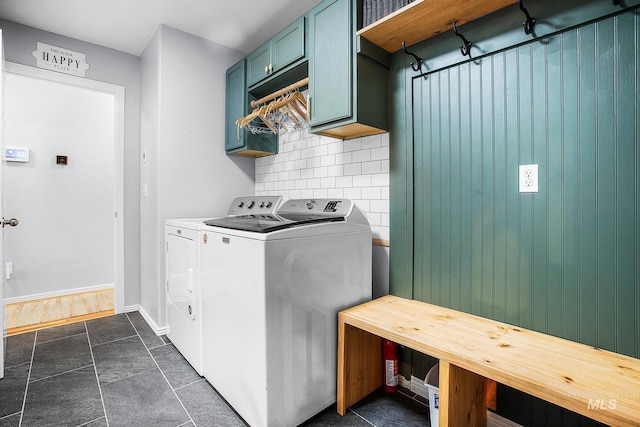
(242, 142)
(330, 61)
(288, 45)
(258, 64)
(235, 105)
(282, 50)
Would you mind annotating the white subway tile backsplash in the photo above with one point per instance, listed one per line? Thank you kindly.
(306, 153)
(314, 166)
(381, 153)
(320, 193)
(337, 170)
(371, 193)
(328, 182)
(362, 181)
(381, 206)
(335, 193)
(295, 174)
(361, 156)
(320, 172)
(372, 141)
(374, 218)
(320, 150)
(372, 167)
(343, 158)
(353, 193)
(306, 173)
(353, 169)
(313, 183)
(381, 179)
(344, 181)
(328, 160)
(352, 144)
(313, 162)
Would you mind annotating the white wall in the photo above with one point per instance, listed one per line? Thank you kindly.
(314, 166)
(187, 173)
(111, 66)
(65, 239)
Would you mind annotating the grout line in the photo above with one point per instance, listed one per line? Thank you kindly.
(162, 373)
(116, 340)
(191, 383)
(9, 415)
(24, 399)
(96, 419)
(61, 338)
(361, 417)
(95, 370)
(60, 373)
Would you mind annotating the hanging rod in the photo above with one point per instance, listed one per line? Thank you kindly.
(282, 91)
(465, 49)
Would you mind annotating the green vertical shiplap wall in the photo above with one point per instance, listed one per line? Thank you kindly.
(564, 261)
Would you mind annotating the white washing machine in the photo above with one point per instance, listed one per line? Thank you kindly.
(272, 287)
(182, 276)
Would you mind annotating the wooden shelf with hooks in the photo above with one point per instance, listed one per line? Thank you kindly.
(423, 19)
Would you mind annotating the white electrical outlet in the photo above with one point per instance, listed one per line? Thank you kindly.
(528, 178)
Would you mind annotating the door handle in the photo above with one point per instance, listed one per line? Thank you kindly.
(12, 222)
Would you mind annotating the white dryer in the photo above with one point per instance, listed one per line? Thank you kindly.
(182, 276)
(272, 289)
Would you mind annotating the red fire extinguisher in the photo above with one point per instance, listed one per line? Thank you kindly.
(390, 354)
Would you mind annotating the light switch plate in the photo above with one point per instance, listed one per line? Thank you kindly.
(528, 178)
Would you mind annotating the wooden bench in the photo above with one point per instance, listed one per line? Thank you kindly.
(599, 384)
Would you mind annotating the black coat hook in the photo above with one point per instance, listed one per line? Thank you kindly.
(530, 22)
(465, 49)
(416, 66)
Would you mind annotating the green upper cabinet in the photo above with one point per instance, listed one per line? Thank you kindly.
(240, 141)
(282, 50)
(348, 76)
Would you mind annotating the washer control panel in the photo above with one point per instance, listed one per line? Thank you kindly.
(324, 207)
(254, 205)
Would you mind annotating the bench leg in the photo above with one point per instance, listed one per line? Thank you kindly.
(359, 365)
(462, 397)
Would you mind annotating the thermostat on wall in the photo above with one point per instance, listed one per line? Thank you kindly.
(15, 154)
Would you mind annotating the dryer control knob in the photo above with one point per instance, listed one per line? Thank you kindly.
(241, 204)
(251, 204)
(311, 204)
(269, 204)
(262, 204)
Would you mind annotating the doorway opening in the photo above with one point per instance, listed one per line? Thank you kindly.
(68, 250)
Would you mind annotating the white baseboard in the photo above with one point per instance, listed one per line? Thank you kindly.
(61, 293)
(417, 386)
(158, 330)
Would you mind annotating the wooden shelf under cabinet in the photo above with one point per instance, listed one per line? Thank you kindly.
(423, 19)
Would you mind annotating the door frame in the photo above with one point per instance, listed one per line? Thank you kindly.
(118, 93)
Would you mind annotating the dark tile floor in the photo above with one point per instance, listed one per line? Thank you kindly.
(115, 371)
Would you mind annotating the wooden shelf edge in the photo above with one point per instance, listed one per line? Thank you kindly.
(381, 242)
(424, 19)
